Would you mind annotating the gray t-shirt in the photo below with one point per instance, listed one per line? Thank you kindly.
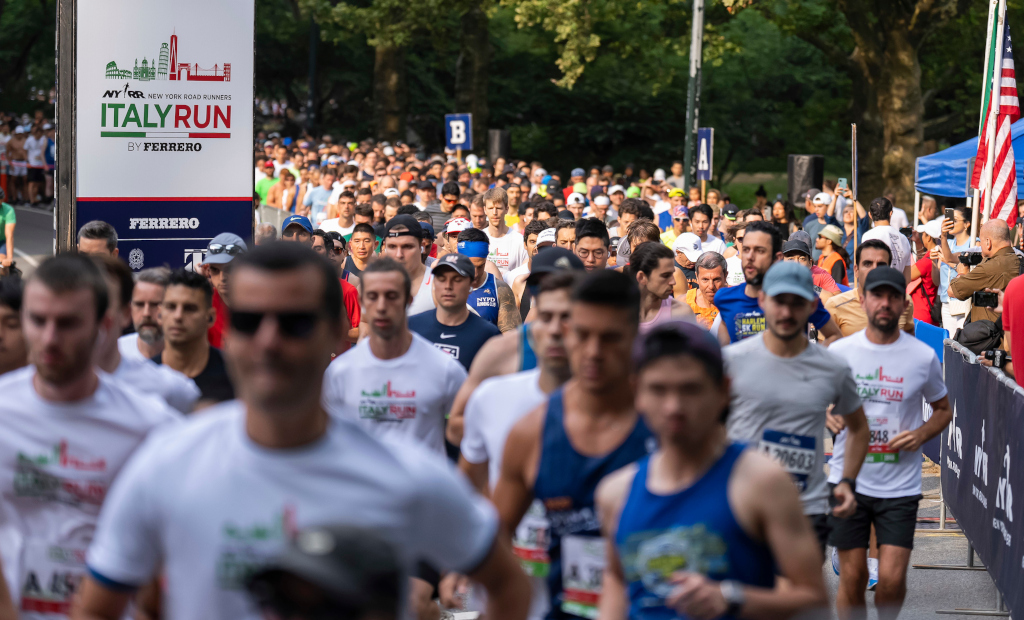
(779, 405)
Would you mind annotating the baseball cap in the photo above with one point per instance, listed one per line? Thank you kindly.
(633, 192)
(616, 188)
(676, 191)
(301, 220)
(788, 277)
(811, 193)
(355, 567)
(428, 230)
(268, 143)
(932, 228)
(577, 172)
(426, 185)
(796, 245)
(730, 211)
(821, 198)
(566, 214)
(391, 192)
(596, 191)
(223, 248)
(802, 235)
(548, 235)
(833, 234)
(673, 338)
(689, 244)
(680, 213)
(659, 174)
(602, 200)
(457, 225)
(459, 263)
(885, 276)
(552, 259)
(580, 187)
(389, 151)
(575, 198)
(412, 227)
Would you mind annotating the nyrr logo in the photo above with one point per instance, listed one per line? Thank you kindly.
(128, 94)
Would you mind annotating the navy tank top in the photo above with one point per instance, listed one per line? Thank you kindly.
(566, 481)
(527, 358)
(692, 530)
(485, 300)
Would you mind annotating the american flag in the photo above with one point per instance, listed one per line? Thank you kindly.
(1004, 176)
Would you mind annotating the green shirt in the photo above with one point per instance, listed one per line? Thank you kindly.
(263, 187)
(7, 216)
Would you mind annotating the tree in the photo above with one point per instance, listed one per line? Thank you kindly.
(26, 53)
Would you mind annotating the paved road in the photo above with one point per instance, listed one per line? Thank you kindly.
(33, 237)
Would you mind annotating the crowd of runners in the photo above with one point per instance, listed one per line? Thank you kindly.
(640, 387)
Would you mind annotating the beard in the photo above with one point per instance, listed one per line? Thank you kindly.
(150, 333)
(886, 325)
(756, 280)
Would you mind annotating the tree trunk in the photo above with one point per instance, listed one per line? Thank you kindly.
(390, 96)
(471, 72)
(902, 107)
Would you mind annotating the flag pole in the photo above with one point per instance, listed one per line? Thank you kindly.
(975, 203)
(853, 190)
(993, 125)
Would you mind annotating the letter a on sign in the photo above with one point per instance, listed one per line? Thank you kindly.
(705, 152)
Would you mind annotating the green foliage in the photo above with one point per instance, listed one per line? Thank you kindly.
(27, 42)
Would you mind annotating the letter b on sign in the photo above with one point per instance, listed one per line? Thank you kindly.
(459, 131)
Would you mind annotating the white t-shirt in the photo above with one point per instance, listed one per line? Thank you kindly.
(147, 377)
(902, 256)
(406, 398)
(735, 267)
(898, 219)
(128, 346)
(206, 505)
(36, 149)
(891, 380)
(713, 244)
(333, 225)
(57, 461)
(508, 251)
(511, 275)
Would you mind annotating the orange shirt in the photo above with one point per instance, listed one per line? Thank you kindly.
(705, 316)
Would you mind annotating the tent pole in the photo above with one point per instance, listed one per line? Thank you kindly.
(974, 215)
(917, 213)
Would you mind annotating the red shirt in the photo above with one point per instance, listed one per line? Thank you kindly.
(924, 295)
(350, 297)
(1013, 314)
(220, 324)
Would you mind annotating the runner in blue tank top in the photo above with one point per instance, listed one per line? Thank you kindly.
(484, 299)
(559, 453)
(701, 528)
(490, 297)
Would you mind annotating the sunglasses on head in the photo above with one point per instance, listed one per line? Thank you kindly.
(290, 324)
(220, 248)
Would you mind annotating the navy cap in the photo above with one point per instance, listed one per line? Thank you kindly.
(789, 277)
(577, 172)
(413, 227)
(223, 248)
(301, 220)
(885, 276)
(428, 230)
(459, 263)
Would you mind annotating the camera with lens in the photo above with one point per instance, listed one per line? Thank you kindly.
(998, 357)
(971, 258)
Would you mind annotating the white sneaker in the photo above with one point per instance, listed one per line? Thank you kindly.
(872, 573)
(835, 561)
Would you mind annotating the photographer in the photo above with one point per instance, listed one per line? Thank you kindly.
(955, 238)
(998, 267)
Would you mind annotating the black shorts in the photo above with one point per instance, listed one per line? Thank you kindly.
(35, 175)
(895, 520)
(822, 528)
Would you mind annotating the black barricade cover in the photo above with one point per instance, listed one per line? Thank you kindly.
(983, 470)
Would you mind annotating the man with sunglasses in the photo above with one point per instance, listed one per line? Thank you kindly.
(216, 268)
(185, 315)
(283, 464)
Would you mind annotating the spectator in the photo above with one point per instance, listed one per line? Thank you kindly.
(265, 233)
(834, 258)
(97, 237)
(13, 349)
(783, 219)
(8, 219)
(954, 311)
(846, 308)
(925, 274)
(819, 219)
(881, 211)
(999, 266)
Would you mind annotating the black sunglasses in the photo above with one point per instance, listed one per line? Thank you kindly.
(231, 248)
(290, 324)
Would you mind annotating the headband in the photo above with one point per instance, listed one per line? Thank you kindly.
(474, 249)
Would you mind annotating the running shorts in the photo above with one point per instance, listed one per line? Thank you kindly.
(895, 520)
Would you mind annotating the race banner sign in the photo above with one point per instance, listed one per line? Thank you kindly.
(164, 124)
(981, 472)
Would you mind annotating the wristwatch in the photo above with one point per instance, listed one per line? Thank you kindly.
(851, 482)
(732, 592)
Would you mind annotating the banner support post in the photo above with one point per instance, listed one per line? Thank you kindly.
(65, 183)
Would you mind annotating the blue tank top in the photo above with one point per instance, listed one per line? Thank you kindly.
(527, 358)
(566, 481)
(692, 530)
(485, 300)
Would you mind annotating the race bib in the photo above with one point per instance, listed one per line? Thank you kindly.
(49, 576)
(796, 454)
(583, 561)
(883, 429)
(532, 541)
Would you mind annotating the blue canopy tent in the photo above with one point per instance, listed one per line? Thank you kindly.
(948, 172)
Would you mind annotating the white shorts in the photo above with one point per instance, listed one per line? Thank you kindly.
(19, 168)
(952, 322)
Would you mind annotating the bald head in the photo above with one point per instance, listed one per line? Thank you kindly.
(995, 235)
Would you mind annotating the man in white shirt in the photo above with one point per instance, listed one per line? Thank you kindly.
(148, 294)
(700, 225)
(507, 250)
(894, 372)
(212, 501)
(68, 430)
(35, 148)
(884, 229)
(345, 220)
(395, 384)
(142, 375)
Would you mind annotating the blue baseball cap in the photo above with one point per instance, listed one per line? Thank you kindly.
(301, 220)
(789, 277)
(223, 248)
(577, 172)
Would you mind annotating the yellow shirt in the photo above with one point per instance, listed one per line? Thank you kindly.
(705, 316)
(669, 237)
(511, 220)
(850, 316)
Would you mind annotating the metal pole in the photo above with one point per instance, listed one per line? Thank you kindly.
(917, 210)
(853, 191)
(65, 187)
(693, 94)
(314, 38)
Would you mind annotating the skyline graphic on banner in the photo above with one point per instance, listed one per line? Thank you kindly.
(166, 66)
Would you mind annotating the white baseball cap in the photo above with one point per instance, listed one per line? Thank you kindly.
(659, 175)
(391, 192)
(602, 200)
(546, 236)
(616, 188)
(457, 225)
(575, 198)
(932, 228)
(821, 198)
(689, 244)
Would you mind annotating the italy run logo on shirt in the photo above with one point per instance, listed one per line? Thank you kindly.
(62, 476)
(387, 404)
(246, 549)
(878, 387)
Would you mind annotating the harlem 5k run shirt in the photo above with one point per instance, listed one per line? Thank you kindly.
(743, 316)
(57, 461)
(891, 380)
(206, 507)
(405, 399)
